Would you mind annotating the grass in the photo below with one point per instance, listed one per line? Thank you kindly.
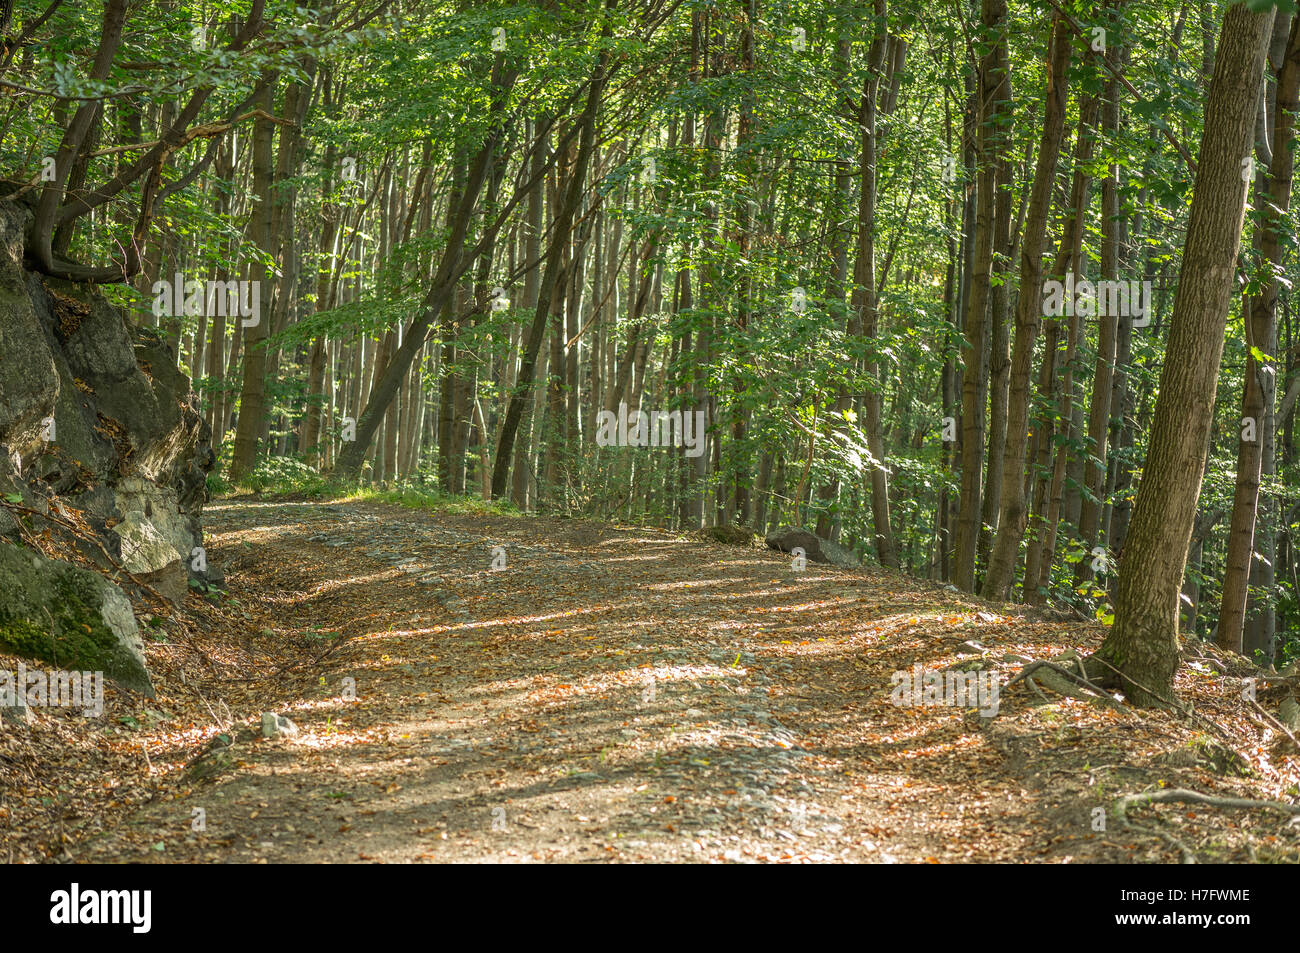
(289, 478)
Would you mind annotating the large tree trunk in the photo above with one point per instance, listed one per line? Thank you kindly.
(252, 399)
(865, 306)
(1143, 643)
(1274, 190)
(999, 311)
(1099, 411)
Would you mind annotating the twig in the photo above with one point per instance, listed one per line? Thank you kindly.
(1188, 856)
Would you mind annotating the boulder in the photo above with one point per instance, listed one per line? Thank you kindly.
(70, 617)
(29, 385)
(1289, 713)
(787, 538)
(277, 726)
(149, 555)
(128, 449)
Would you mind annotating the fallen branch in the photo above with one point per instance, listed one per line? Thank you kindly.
(1276, 724)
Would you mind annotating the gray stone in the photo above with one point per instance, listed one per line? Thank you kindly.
(786, 539)
(278, 726)
(15, 715)
(149, 555)
(1289, 713)
(127, 434)
(29, 385)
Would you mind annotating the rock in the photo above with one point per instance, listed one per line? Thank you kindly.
(276, 726)
(139, 500)
(147, 554)
(731, 535)
(786, 539)
(29, 385)
(1289, 713)
(127, 446)
(15, 715)
(70, 617)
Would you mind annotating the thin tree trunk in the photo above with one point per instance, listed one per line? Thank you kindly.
(1011, 518)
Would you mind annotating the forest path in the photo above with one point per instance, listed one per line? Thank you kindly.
(612, 694)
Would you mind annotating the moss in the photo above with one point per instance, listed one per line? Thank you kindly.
(73, 633)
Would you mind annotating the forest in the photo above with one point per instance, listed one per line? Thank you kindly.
(990, 301)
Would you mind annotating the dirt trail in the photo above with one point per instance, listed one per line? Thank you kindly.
(620, 695)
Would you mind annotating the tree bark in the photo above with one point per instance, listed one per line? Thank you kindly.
(550, 281)
(1143, 643)
(1011, 518)
(1274, 190)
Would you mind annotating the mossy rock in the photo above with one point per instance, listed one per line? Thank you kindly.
(731, 535)
(70, 617)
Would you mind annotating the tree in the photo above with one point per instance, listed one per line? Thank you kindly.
(1140, 652)
(1013, 514)
(1274, 193)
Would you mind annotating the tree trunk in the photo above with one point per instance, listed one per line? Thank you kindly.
(1143, 642)
(864, 303)
(252, 399)
(975, 377)
(1273, 203)
(550, 282)
(1011, 518)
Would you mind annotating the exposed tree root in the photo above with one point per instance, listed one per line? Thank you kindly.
(1079, 678)
(1186, 796)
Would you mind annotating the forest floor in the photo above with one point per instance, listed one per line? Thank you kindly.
(612, 694)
